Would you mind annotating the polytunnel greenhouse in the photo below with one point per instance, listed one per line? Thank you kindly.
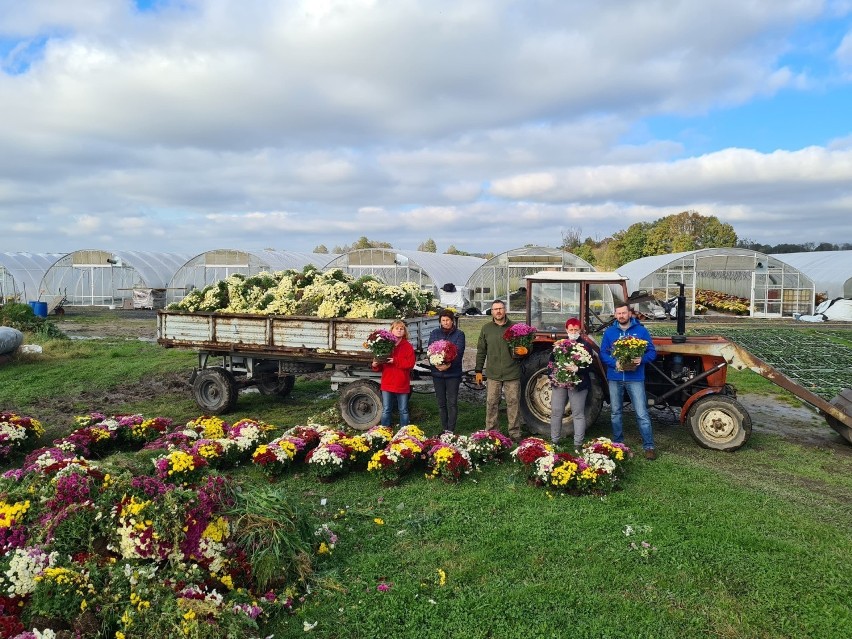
(767, 286)
(212, 266)
(94, 277)
(21, 275)
(831, 271)
(502, 277)
(440, 273)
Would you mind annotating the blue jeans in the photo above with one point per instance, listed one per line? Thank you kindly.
(387, 407)
(636, 392)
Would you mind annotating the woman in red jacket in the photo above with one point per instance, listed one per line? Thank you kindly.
(396, 375)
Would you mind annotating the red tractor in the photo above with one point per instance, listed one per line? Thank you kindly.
(689, 373)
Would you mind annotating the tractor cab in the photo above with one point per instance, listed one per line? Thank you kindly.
(555, 296)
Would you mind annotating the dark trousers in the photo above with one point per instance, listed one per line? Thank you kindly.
(447, 392)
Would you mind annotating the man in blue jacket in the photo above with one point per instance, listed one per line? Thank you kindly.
(630, 378)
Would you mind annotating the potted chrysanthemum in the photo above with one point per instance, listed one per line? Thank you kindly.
(442, 352)
(380, 342)
(328, 461)
(626, 350)
(447, 462)
(520, 337)
(488, 445)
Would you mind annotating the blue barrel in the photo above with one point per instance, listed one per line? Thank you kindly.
(39, 308)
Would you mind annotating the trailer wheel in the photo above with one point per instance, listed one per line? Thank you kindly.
(271, 384)
(215, 391)
(719, 422)
(361, 404)
(536, 394)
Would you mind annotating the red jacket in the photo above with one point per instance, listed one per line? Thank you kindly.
(396, 376)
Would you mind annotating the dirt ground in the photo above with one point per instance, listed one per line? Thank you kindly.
(800, 424)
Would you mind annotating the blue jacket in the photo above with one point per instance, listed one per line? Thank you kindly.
(456, 337)
(613, 333)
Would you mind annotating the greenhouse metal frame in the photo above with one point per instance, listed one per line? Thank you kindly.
(831, 271)
(503, 276)
(773, 287)
(430, 271)
(21, 275)
(218, 264)
(98, 277)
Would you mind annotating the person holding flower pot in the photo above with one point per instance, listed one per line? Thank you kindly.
(446, 370)
(504, 371)
(626, 347)
(568, 370)
(396, 375)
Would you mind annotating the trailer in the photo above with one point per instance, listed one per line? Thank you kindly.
(237, 350)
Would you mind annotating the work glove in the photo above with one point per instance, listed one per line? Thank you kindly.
(478, 379)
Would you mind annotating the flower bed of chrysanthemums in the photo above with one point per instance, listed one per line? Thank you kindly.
(91, 549)
(722, 302)
(332, 293)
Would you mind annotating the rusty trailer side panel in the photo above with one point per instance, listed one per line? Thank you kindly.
(277, 335)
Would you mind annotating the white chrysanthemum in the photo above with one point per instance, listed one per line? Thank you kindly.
(600, 462)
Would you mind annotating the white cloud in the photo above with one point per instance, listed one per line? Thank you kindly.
(320, 121)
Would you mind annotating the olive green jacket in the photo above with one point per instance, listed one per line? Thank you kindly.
(491, 346)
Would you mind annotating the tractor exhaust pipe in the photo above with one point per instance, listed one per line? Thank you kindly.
(681, 316)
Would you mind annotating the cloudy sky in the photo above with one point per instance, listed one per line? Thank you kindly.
(188, 125)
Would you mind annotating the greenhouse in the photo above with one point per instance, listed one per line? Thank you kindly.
(21, 274)
(831, 271)
(94, 277)
(212, 266)
(502, 277)
(434, 272)
(750, 283)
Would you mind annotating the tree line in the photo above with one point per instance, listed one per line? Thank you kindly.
(680, 232)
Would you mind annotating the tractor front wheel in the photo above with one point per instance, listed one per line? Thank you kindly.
(536, 394)
(719, 422)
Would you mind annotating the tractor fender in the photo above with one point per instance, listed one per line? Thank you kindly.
(684, 411)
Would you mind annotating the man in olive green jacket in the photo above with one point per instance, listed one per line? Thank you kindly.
(504, 371)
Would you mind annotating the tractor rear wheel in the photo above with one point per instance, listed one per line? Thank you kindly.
(719, 422)
(215, 391)
(536, 394)
(361, 404)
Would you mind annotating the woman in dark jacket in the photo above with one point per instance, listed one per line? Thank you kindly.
(447, 377)
(569, 368)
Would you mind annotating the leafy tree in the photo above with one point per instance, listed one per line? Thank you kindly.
(361, 243)
(428, 246)
(452, 250)
(688, 231)
(586, 251)
(321, 249)
(787, 248)
(631, 243)
(607, 256)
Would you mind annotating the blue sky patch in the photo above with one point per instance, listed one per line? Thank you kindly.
(17, 55)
